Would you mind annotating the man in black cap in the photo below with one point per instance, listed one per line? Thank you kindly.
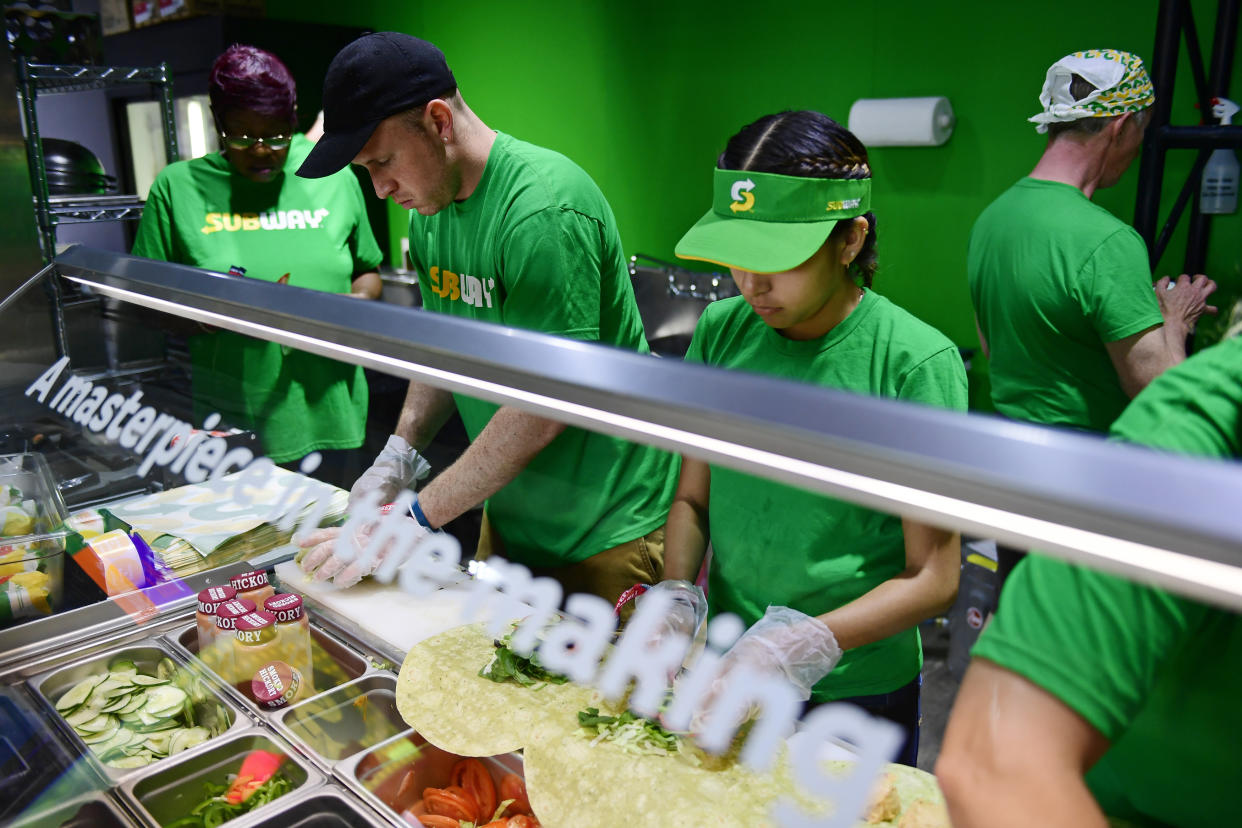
(505, 231)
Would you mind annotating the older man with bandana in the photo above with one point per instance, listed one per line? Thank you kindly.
(1062, 288)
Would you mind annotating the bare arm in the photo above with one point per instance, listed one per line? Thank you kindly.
(1143, 356)
(686, 533)
(927, 586)
(504, 447)
(367, 285)
(423, 414)
(1014, 755)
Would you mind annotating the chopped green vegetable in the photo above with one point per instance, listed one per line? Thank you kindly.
(633, 734)
(215, 810)
(506, 665)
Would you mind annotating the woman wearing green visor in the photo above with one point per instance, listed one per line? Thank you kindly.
(810, 575)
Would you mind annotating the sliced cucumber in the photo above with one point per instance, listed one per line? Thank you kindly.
(187, 738)
(164, 699)
(78, 694)
(81, 716)
(98, 724)
(103, 735)
(135, 703)
(118, 704)
(121, 664)
(138, 760)
(149, 681)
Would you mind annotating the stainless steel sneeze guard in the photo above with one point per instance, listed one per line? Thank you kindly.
(1164, 519)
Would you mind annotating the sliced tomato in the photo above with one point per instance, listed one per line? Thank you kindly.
(523, 821)
(406, 793)
(512, 787)
(451, 802)
(432, 820)
(472, 776)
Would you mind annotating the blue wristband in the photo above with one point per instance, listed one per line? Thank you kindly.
(416, 512)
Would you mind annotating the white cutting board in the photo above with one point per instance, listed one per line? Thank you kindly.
(385, 611)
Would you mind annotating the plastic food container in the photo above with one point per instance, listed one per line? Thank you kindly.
(334, 662)
(379, 774)
(171, 792)
(347, 720)
(210, 710)
(32, 539)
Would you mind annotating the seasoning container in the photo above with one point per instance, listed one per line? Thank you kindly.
(253, 585)
(219, 656)
(254, 645)
(293, 636)
(275, 685)
(209, 601)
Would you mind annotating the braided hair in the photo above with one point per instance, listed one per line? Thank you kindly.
(811, 145)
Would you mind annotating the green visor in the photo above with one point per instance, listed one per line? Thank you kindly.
(767, 223)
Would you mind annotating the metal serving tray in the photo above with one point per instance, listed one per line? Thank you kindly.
(350, 719)
(169, 791)
(96, 811)
(323, 807)
(335, 662)
(146, 653)
(376, 775)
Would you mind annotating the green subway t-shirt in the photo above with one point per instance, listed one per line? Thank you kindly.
(202, 213)
(1053, 277)
(780, 545)
(535, 246)
(1157, 674)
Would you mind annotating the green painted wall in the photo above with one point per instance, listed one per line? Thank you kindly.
(643, 94)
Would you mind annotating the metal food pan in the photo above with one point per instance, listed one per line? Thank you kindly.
(320, 808)
(169, 792)
(349, 719)
(377, 775)
(145, 654)
(335, 663)
(95, 811)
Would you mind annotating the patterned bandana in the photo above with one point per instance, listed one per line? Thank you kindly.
(1120, 81)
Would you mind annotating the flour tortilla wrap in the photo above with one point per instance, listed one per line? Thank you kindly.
(572, 782)
(442, 696)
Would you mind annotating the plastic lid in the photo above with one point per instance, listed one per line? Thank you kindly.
(210, 599)
(246, 581)
(228, 612)
(255, 627)
(275, 685)
(286, 607)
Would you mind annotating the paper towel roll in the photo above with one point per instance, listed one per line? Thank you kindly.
(902, 122)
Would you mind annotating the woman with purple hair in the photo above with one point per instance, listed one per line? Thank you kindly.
(242, 211)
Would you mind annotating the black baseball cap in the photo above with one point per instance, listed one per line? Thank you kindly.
(371, 79)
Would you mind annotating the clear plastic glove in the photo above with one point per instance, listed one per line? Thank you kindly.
(689, 607)
(325, 560)
(784, 641)
(396, 468)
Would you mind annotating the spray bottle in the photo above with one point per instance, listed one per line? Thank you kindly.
(1219, 190)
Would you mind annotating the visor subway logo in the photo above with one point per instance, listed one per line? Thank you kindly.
(270, 220)
(743, 196)
(462, 287)
(848, 204)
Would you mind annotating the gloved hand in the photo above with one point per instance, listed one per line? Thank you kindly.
(689, 606)
(785, 641)
(397, 466)
(324, 562)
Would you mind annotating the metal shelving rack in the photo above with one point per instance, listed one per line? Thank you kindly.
(34, 79)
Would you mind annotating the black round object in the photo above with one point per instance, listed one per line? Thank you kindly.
(64, 156)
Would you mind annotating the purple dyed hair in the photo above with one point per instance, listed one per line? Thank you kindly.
(246, 78)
